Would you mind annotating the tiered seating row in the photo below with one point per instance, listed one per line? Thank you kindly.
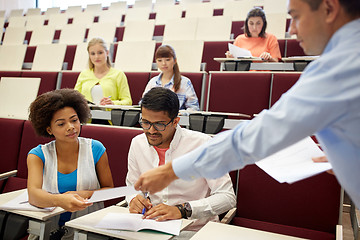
(236, 92)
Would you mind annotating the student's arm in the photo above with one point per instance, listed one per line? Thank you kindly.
(123, 90)
(192, 102)
(104, 173)
(41, 198)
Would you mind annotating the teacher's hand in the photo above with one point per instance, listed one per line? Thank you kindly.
(156, 179)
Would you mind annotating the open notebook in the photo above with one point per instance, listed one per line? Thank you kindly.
(135, 222)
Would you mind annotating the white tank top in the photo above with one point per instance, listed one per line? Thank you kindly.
(97, 94)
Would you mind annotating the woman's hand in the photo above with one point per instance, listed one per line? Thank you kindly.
(72, 202)
(106, 101)
(228, 55)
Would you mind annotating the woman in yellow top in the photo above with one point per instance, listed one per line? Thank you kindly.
(102, 84)
(256, 40)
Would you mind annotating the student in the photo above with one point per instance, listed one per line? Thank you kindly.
(102, 84)
(171, 78)
(66, 171)
(324, 101)
(163, 140)
(256, 39)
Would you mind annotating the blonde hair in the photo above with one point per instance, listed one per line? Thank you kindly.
(100, 41)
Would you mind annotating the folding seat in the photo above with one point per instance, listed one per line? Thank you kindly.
(11, 130)
(127, 56)
(33, 12)
(51, 11)
(276, 24)
(58, 21)
(214, 49)
(81, 57)
(103, 30)
(69, 79)
(42, 35)
(83, 18)
(72, 11)
(96, 8)
(189, 54)
(308, 209)
(281, 83)
(137, 14)
(238, 92)
(17, 108)
(167, 12)
(34, 21)
(16, 13)
(12, 57)
(118, 6)
(139, 30)
(137, 82)
(72, 34)
(238, 10)
(17, 21)
(146, 4)
(48, 79)
(199, 10)
(216, 28)
(117, 143)
(180, 29)
(111, 16)
(293, 48)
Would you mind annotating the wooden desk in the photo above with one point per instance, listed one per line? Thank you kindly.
(246, 64)
(87, 223)
(214, 230)
(39, 222)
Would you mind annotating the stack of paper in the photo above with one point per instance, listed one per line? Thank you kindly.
(239, 52)
(110, 193)
(135, 222)
(294, 163)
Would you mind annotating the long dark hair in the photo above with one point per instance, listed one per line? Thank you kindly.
(166, 51)
(255, 12)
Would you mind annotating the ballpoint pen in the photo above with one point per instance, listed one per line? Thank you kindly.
(146, 195)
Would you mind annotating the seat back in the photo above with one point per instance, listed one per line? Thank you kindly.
(139, 30)
(199, 10)
(293, 48)
(281, 83)
(14, 36)
(214, 28)
(127, 56)
(188, 54)
(69, 79)
(58, 21)
(34, 21)
(17, 21)
(81, 57)
(310, 206)
(165, 13)
(103, 30)
(137, 14)
(12, 57)
(18, 107)
(180, 29)
(48, 80)
(72, 34)
(137, 82)
(42, 35)
(44, 52)
(238, 92)
(117, 143)
(213, 50)
(237, 10)
(276, 24)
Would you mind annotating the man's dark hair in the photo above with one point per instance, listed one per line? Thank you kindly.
(42, 109)
(255, 12)
(161, 99)
(352, 7)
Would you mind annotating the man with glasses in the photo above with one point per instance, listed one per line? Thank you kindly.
(162, 141)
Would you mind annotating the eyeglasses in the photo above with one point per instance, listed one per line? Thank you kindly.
(158, 126)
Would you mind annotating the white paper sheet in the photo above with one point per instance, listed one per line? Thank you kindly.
(106, 194)
(294, 163)
(134, 222)
(21, 203)
(239, 52)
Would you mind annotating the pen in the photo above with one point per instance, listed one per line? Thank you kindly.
(146, 195)
(23, 202)
(109, 96)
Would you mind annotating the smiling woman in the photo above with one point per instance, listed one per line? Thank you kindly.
(62, 172)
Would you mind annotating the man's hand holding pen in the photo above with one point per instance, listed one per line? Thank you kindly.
(140, 204)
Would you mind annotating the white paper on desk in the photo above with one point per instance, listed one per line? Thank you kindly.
(239, 52)
(21, 203)
(134, 222)
(110, 193)
(294, 163)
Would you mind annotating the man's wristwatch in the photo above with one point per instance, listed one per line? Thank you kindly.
(188, 210)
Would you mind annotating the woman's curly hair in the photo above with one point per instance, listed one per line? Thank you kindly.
(42, 109)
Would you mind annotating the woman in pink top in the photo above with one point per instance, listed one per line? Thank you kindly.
(256, 40)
